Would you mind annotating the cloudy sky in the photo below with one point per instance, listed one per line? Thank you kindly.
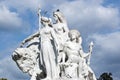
(97, 20)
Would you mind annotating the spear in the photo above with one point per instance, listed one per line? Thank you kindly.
(39, 16)
(90, 52)
(39, 19)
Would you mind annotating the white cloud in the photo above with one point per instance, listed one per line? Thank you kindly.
(88, 16)
(106, 55)
(107, 47)
(12, 21)
(23, 5)
(9, 19)
(92, 15)
(108, 42)
(9, 70)
(81, 14)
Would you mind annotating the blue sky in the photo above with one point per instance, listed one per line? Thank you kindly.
(97, 20)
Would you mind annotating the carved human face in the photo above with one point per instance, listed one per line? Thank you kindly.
(55, 16)
(73, 36)
(45, 21)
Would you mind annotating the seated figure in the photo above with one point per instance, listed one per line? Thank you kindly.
(76, 56)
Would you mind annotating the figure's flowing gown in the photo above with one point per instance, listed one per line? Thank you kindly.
(48, 51)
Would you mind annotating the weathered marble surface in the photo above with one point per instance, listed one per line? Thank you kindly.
(54, 52)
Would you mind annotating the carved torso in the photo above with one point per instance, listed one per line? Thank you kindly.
(46, 33)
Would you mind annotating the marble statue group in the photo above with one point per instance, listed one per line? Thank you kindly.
(54, 52)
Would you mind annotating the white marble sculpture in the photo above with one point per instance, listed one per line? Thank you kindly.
(61, 29)
(54, 52)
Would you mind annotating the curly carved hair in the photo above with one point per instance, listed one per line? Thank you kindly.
(76, 33)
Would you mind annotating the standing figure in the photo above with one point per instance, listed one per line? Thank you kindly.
(48, 40)
(61, 29)
(60, 20)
